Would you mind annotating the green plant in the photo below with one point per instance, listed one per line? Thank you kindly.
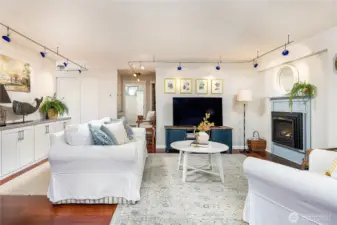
(51, 102)
(302, 89)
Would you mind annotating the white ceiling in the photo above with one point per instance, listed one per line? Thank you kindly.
(119, 31)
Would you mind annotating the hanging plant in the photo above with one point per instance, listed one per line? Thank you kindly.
(302, 89)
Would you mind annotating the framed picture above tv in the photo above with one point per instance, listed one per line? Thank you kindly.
(217, 86)
(186, 86)
(201, 86)
(170, 85)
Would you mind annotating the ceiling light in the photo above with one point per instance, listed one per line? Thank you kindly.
(286, 51)
(179, 67)
(138, 79)
(142, 67)
(218, 67)
(44, 53)
(135, 75)
(7, 37)
(255, 62)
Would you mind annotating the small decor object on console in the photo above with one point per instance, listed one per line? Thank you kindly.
(185, 86)
(53, 107)
(201, 86)
(205, 126)
(23, 108)
(170, 85)
(301, 89)
(217, 86)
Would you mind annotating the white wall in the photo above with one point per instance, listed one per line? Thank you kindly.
(98, 92)
(235, 77)
(42, 77)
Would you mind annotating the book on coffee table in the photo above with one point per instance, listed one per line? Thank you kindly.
(196, 144)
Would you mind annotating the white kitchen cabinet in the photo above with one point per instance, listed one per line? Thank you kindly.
(9, 144)
(25, 147)
(42, 141)
(58, 126)
(22, 147)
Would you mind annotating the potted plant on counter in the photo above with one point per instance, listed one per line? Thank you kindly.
(302, 89)
(53, 107)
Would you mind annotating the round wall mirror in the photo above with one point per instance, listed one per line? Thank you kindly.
(287, 75)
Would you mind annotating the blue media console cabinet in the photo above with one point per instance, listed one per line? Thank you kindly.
(178, 133)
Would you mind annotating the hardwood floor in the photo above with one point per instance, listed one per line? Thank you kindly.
(37, 210)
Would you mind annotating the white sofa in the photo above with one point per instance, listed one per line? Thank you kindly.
(280, 195)
(94, 174)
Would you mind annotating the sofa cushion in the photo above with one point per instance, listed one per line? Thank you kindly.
(76, 135)
(99, 137)
(116, 132)
(127, 127)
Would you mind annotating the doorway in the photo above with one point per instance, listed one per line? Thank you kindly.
(134, 101)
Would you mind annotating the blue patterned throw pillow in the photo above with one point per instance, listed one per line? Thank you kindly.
(99, 137)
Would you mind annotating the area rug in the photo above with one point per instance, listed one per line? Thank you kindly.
(33, 182)
(202, 200)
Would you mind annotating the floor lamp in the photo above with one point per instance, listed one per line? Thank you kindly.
(244, 96)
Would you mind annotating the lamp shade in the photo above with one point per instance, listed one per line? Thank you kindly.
(244, 96)
(4, 98)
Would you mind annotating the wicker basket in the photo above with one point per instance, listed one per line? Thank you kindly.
(257, 143)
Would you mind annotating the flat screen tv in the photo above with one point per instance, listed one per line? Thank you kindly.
(190, 111)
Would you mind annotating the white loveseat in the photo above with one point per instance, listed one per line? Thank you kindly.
(94, 174)
(280, 195)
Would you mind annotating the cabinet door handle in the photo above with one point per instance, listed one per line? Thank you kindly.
(19, 135)
(48, 129)
(23, 135)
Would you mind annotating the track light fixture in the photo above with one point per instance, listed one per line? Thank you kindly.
(286, 51)
(179, 67)
(218, 66)
(65, 63)
(7, 37)
(44, 53)
(255, 62)
(79, 71)
(141, 66)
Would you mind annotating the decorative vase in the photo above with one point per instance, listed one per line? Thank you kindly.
(52, 114)
(202, 137)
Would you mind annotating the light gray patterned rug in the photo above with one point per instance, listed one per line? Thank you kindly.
(202, 200)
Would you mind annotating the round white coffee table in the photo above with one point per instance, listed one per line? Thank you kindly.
(214, 149)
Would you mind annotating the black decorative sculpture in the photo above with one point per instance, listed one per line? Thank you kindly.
(24, 108)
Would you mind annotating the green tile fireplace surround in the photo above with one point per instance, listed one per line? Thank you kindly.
(221, 134)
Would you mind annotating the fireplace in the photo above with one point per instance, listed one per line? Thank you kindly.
(287, 129)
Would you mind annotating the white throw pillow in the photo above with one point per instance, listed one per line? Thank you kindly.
(116, 132)
(77, 135)
(150, 115)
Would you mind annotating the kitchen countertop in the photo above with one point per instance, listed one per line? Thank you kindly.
(31, 123)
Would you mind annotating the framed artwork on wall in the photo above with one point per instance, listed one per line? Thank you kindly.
(170, 85)
(201, 86)
(15, 74)
(217, 86)
(185, 86)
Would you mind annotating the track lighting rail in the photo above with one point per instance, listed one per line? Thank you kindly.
(82, 68)
(254, 60)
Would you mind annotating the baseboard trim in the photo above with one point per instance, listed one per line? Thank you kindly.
(15, 175)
